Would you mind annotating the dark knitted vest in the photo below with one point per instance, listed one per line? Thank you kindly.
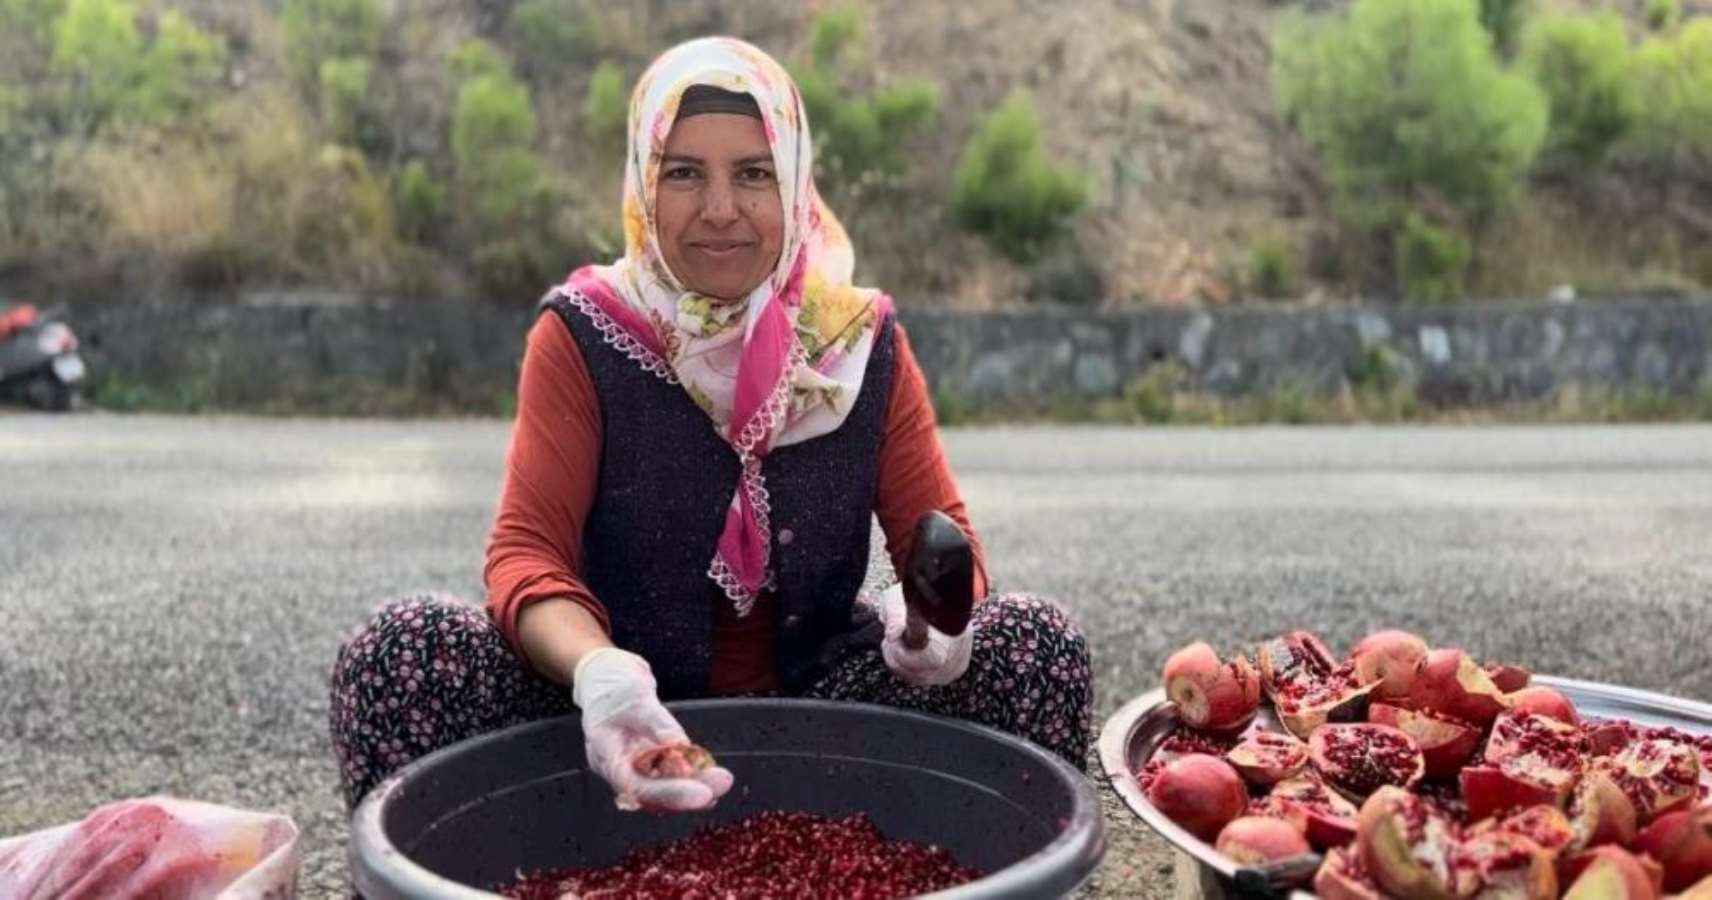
(666, 480)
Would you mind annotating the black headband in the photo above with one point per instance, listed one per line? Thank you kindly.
(700, 99)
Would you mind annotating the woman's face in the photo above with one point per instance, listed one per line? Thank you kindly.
(717, 208)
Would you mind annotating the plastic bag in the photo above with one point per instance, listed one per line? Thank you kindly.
(160, 848)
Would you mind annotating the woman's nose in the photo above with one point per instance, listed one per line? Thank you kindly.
(718, 206)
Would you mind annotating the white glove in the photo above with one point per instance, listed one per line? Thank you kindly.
(622, 716)
(942, 661)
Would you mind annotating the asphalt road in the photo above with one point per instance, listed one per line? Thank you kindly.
(172, 589)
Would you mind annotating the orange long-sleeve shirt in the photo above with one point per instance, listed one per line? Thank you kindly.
(553, 469)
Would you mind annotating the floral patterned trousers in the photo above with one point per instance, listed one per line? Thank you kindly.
(429, 671)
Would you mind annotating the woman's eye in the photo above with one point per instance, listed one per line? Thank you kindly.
(680, 173)
(756, 173)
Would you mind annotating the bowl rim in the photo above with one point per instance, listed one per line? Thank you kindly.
(376, 866)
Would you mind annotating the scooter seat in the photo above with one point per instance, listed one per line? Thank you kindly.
(16, 317)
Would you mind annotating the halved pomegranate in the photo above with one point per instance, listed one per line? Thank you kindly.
(1446, 743)
(1546, 826)
(1290, 657)
(1253, 840)
(1658, 774)
(1611, 873)
(1200, 793)
(1314, 809)
(1390, 660)
(1682, 843)
(1358, 759)
(1211, 694)
(1267, 757)
(1343, 877)
(1453, 685)
(1408, 847)
(1304, 705)
(1529, 760)
(1600, 813)
(1504, 864)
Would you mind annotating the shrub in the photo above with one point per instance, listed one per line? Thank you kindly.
(320, 30)
(606, 112)
(858, 138)
(417, 201)
(550, 34)
(1005, 189)
(1503, 20)
(1273, 267)
(1581, 62)
(344, 92)
(1404, 97)
(1432, 261)
(493, 135)
(1674, 75)
(98, 44)
(1663, 14)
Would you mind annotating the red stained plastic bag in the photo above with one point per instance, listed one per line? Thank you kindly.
(157, 847)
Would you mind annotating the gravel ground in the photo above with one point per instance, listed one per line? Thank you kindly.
(173, 588)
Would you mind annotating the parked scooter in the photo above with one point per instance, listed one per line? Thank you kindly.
(39, 362)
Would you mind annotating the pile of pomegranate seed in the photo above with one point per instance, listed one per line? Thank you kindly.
(773, 854)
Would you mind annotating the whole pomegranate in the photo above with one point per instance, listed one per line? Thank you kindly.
(1201, 793)
(1682, 843)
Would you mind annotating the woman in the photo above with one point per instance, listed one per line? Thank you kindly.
(705, 430)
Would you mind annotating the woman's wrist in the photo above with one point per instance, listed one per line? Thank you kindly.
(557, 634)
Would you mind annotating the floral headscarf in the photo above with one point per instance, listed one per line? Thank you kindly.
(779, 367)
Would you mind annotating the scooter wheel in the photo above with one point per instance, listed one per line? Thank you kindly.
(48, 393)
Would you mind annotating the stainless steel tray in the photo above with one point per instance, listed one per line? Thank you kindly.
(1130, 737)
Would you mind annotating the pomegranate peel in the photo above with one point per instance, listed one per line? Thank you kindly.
(1450, 683)
(1681, 842)
(1390, 660)
(1545, 701)
(1342, 877)
(1211, 694)
(1254, 840)
(1611, 873)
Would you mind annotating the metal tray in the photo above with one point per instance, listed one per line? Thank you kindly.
(1130, 737)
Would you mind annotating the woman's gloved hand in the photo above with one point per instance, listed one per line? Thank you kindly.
(941, 661)
(622, 717)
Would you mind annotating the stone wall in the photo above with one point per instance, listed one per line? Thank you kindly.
(248, 356)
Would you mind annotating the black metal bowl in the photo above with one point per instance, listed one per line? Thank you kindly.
(471, 816)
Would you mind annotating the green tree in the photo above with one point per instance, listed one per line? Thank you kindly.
(181, 64)
(418, 202)
(1674, 74)
(858, 139)
(1004, 187)
(1582, 64)
(606, 111)
(551, 34)
(1504, 20)
(97, 45)
(1432, 262)
(493, 138)
(1663, 14)
(344, 91)
(1405, 100)
(320, 30)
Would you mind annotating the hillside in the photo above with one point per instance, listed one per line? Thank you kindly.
(267, 179)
